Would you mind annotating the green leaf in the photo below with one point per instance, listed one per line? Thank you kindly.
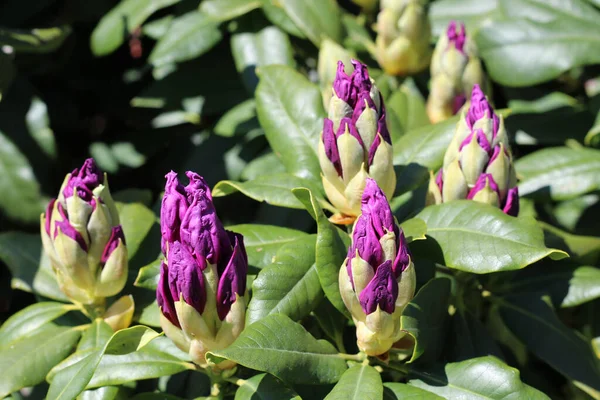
(290, 286)
(262, 242)
(273, 189)
(470, 338)
(109, 34)
(158, 27)
(188, 37)
(21, 253)
(26, 322)
(107, 393)
(521, 47)
(332, 322)
(475, 379)
(251, 50)
(27, 361)
(537, 326)
(585, 249)
(401, 391)
(148, 275)
(592, 138)
(406, 112)
(283, 348)
(473, 13)
(414, 229)
(424, 318)
(479, 238)
(94, 337)
(70, 381)
(266, 164)
(567, 285)
(38, 125)
(359, 382)
(44, 40)
(224, 10)
(238, 120)
(315, 18)
(559, 173)
(290, 110)
(152, 361)
(264, 387)
(136, 220)
(332, 247)
(21, 197)
(276, 14)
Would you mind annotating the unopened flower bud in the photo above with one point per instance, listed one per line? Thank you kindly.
(455, 68)
(355, 143)
(202, 287)
(478, 163)
(377, 279)
(83, 239)
(403, 36)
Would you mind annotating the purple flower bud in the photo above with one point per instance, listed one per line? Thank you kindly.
(402, 260)
(348, 88)
(481, 108)
(48, 222)
(330, 143)
(115, 235)
(347, 124)
(456, 38)
(67, 229)
(458, 102)
(185, 277)
(163, 296)
(381, 291)
(439, 180)
(481, 183)
(173, 208)
(511, 206)
(373, 149)
(233, 278)
(84, 180)
(481, 139)
(382, 128)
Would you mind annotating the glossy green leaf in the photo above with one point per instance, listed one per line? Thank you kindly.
(125, 17)
(21, 198)
(414, 229)
(315, 18)
(476, 379)
(27, 321)
(44, 40)
(238, 120)
(332, 322)
(264, 387)
(424, 318)
(188, 36)
(21, 253)
(567, 285)
(359, 382)
(266, 164)
(106, 393)
(252, 50)
(470, 338)
(136, 220)
(401, 391)
(223, 10)
(559, 173)
(158, 27)
(584, 249)
(290, 286)
(406, 112)
(473, 13)
(95, 337)
(290, 110)
(535, 41)
(148, 275)
(332, 247)
(26, 362)
(273, 189)
(262, 242)
(276, 14)
(282, 347)
(534, 322)
(479, 238)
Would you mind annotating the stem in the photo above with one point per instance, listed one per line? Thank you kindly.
(237, 382)
(353, 357)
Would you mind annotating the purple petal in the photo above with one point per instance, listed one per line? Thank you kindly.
(113, 242)
(67, 229)
(511, 207)
(84, 180)
(481, 183)
(163, 296)
(197, 183)
(342, 85)
(381, 291)
(481, 108)
(382, 128)
(233, 278)
(173, 208)
(439, 179)
(185, 277)
(202, 231)
(457, 38)
(363, 101)
(458, 102)
(346, 123)
(360, 77)
(376, 207)
(403, 256)
(373, 149)
(481, 139)
(49, 210)
(330, 143)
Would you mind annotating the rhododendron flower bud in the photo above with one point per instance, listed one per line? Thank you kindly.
(355, 143)
(377, 279)
(403, 37)
(455, 68)
(83, 239)
(202, 287)
(478, 163)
